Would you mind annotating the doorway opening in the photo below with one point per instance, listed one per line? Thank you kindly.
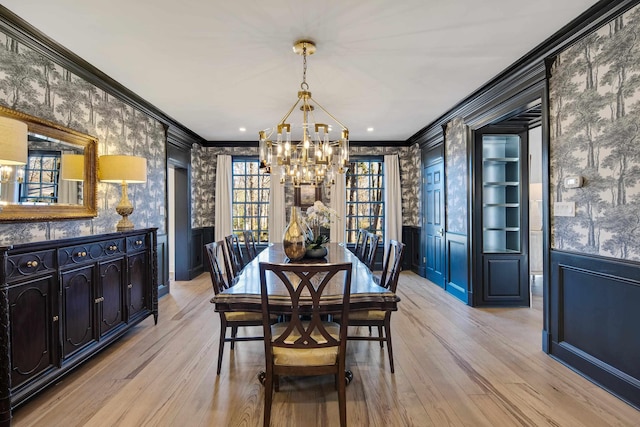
(178, 222)
(531, 117)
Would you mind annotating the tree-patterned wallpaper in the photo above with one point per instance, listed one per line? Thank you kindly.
(203, 169)
(31, 83)
(595, 133)
(456, 176)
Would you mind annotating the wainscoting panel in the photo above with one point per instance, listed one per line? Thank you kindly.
(199, 237)
(457, 259)
(595, 313)
(163, 265)
(412, 256)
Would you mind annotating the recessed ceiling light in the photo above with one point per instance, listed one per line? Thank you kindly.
(369, 129)
(242, 129)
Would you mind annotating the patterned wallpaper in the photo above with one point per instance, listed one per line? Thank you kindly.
(33, 84)
(203, 170)
(595, 133)
(456, 176)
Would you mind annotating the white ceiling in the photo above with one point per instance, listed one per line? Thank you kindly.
(216, 66)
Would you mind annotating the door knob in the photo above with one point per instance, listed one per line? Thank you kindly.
(441, 231)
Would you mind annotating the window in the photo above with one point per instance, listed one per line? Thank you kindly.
(41, 177)
(250, 199)
(365, 197)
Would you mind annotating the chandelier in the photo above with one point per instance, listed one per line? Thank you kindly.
(310, 156)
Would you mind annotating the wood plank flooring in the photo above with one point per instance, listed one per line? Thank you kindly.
(455, 366)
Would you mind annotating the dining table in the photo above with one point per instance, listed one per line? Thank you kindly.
(366, 293)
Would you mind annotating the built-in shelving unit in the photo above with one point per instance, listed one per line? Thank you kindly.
(500, 221)
(501, 193)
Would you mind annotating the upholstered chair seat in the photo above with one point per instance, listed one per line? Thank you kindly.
(305, 356)
(368, 315)
(237, 316)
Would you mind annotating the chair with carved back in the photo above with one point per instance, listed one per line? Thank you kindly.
(372, 250)
(382, 318)
(217, 256)
(305, 344)
(361, 243)
(235, 253)
(250, 244)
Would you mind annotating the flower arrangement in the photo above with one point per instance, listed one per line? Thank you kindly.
(318, 215)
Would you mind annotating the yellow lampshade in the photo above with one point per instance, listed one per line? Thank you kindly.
(72, 167)
(13, 142)
(117, 168)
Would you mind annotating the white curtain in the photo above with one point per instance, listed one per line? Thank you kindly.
(224, 189)
(392, 200)
(339, 204)
(277, 210)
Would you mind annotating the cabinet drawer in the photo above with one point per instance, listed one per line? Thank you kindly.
(80, 254)
(29, 263)
(135, 243)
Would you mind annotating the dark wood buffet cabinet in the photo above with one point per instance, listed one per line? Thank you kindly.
(63, 300)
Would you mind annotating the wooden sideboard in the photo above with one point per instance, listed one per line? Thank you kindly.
(64, 300)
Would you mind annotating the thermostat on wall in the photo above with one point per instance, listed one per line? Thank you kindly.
(573, 182)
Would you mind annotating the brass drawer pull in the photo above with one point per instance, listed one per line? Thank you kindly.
(130, 286)
(97, 300)
(32, 264)
(113, 248)
(138, 242)
(55, 318)
(81, 254)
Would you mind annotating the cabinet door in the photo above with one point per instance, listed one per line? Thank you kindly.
(111, 300)
(138, 284)
(78, 309)
(33, 318)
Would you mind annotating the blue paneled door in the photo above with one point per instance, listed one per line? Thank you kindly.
(434, 223)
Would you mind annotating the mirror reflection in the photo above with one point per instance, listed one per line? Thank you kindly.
(54, 174)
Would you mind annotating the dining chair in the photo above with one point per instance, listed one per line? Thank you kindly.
(372, 250)
(235, 253)
(361, 243)
(305, 345)
(381, 318)
(250, 244)
(235, 319)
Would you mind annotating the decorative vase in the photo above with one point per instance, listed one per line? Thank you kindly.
(294, 236)
(320, 252)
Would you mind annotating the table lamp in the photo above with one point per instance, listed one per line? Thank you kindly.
(72, 167)
(13, 143)
(124, 170)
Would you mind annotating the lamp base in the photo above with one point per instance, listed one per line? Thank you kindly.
(124, 209)
(124, 224)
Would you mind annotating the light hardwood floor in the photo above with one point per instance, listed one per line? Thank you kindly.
(455, 366)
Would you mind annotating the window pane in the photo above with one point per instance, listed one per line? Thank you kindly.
(238, 168)
(250, 198)
(365, 207)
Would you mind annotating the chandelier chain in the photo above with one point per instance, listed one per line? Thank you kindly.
(304, 85)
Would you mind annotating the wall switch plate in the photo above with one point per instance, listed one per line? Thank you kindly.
(564, 209)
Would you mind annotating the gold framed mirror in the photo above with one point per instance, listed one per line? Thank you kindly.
(59, 180)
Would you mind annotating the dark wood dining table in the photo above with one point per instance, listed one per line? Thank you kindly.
(366, 294)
